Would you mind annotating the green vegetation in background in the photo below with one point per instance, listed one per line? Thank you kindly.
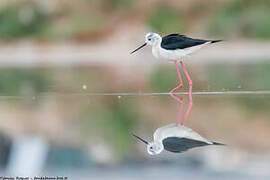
(243, 77)
(224, 77)
(166, 20)
(163, 79)
(120, 4)
(19, 20)
(114, 121)
(251, 77)
(13, 82)
(74, 27)
(123, 5)
(260, 75)
(247, 18)
(83, 76)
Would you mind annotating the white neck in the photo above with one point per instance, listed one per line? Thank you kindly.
(156, 49)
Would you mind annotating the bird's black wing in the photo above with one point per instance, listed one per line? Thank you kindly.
(177, 41)
(178, 145)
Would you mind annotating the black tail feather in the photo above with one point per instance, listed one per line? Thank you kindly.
(219, 144)
(215, 41)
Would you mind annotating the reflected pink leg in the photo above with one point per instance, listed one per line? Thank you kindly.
(179, 78)
(190, 93)
(180, 108)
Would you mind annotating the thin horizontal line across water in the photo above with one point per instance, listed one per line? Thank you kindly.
(48, 94)
(164, 93)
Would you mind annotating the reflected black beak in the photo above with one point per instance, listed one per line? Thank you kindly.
(142, 140)
(138, 48)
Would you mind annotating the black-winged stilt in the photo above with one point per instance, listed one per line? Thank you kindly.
(173, 47)
(175, 139)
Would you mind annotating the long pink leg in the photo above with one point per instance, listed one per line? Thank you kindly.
(190, 93)
(179, 78)
(180, 100)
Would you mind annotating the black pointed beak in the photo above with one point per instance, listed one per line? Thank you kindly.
(142, 140)
(138, 48)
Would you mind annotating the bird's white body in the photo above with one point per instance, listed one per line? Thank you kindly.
(172, 55)
(174, 130)
(174, 46)
(175, 138)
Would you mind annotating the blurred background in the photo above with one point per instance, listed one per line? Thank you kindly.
(59, 59)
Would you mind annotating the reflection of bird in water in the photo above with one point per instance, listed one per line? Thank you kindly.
(175, 139)
(173, 47)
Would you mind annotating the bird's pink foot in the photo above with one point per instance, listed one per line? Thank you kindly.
(176, 89)
(180, 100)
(190, 94)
